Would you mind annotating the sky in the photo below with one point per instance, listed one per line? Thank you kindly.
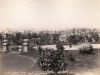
(49, 14)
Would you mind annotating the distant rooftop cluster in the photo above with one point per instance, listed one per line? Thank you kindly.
(67, 31)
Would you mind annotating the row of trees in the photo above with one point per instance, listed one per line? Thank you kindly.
(74, 39)
(45, 38)
(48, 38)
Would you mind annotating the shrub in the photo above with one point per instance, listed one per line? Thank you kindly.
(57, 62)
(59, 47)
(44, 59)
(71, 57)
(52, 60)
(86, 48)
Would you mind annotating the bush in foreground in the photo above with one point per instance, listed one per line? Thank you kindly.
(52, 60)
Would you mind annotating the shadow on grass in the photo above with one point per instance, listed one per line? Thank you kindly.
(15, 49)
(61, 74)
(31, 53)
(7, 51)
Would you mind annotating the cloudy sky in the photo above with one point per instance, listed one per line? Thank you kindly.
(48, 14)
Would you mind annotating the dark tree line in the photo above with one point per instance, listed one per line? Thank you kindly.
(51, 38)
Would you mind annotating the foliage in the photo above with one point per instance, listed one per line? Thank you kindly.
(0, 37)
(51, 59)
(86, 48)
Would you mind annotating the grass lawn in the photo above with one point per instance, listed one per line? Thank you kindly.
(82, 63)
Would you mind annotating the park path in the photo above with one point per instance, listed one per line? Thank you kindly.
(67, 47)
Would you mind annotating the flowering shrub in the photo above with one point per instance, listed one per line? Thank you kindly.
(52, 59)
(86, 48)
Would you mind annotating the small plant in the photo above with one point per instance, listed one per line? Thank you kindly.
(86, 48)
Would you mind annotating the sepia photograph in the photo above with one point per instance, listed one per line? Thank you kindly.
(49, 37)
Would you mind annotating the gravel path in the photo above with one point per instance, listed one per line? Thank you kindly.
(74, 47)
